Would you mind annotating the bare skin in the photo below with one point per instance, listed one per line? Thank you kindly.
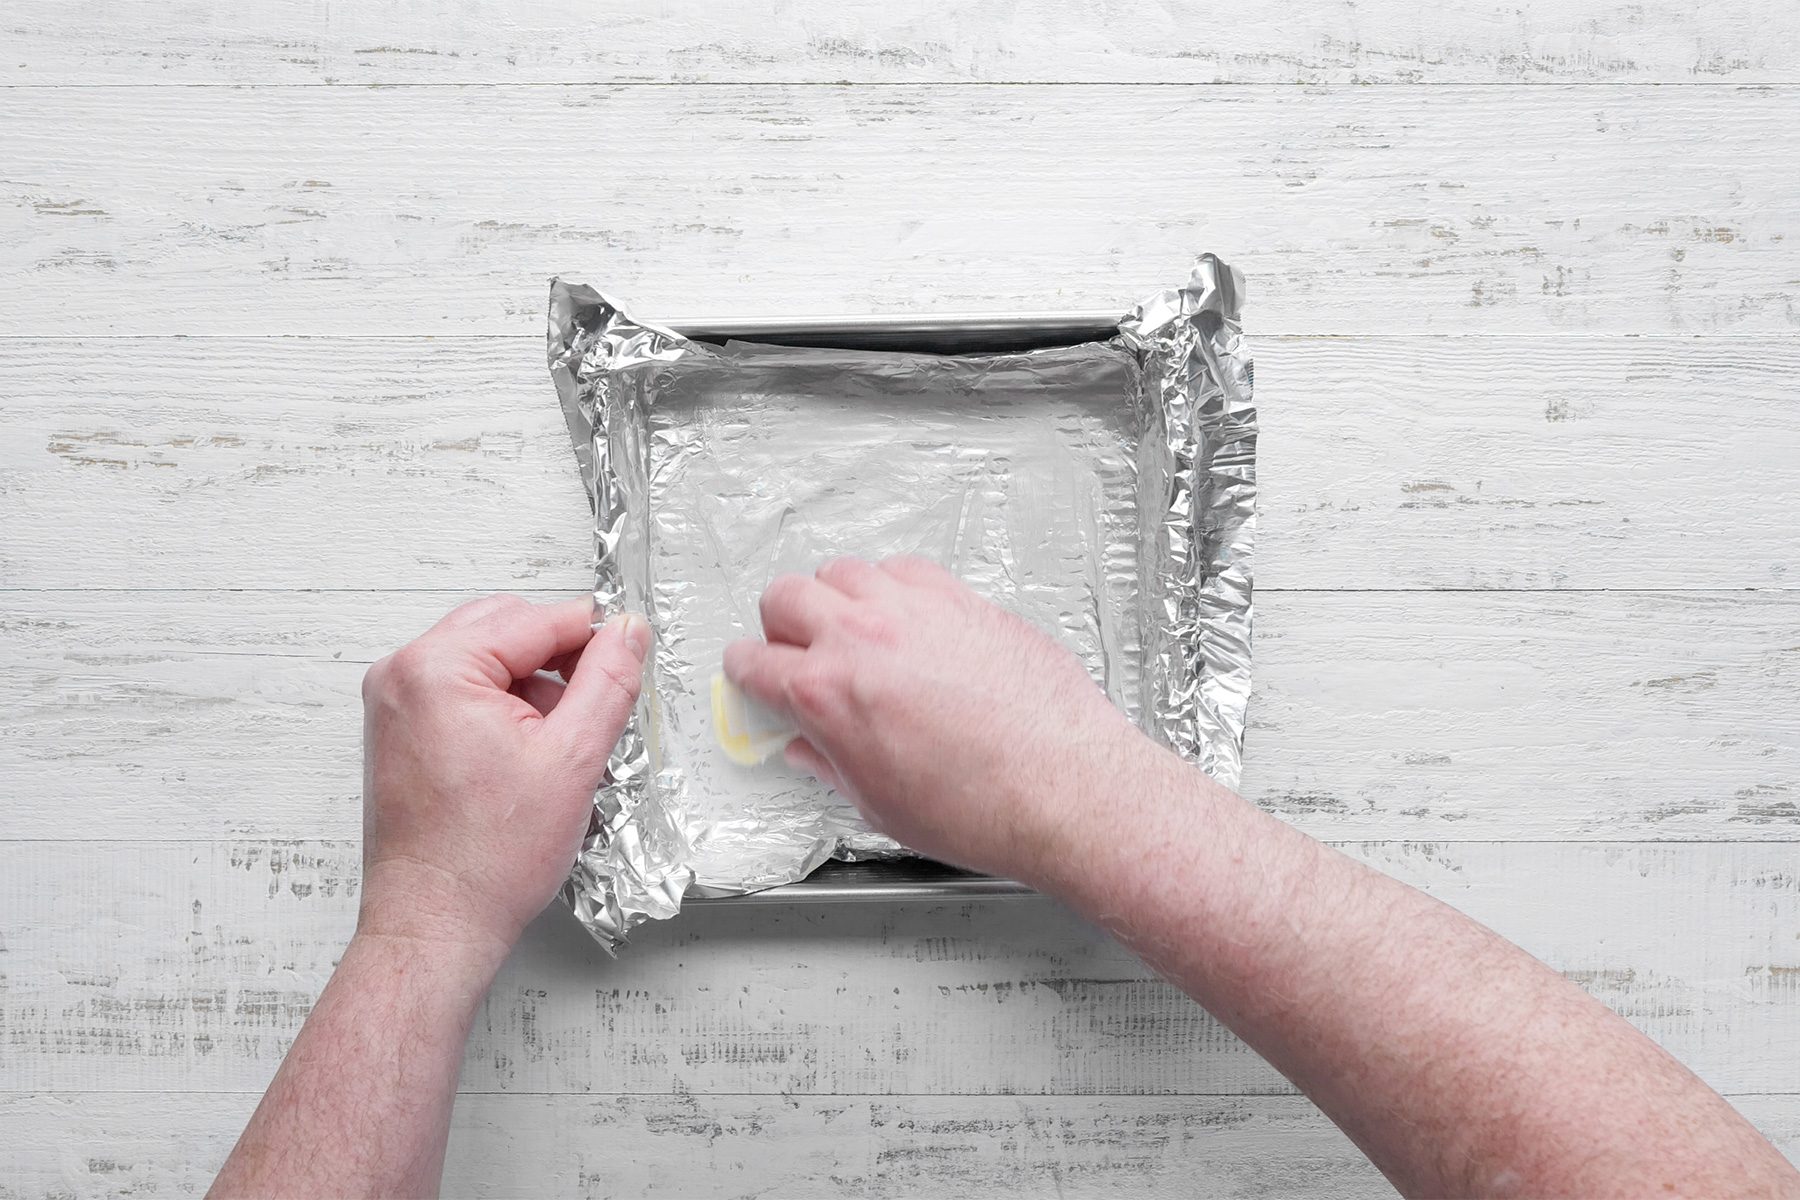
(1457, 1062)
(1460, 1064)
(478, 776)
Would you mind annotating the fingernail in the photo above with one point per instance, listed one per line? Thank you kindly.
(636, 632)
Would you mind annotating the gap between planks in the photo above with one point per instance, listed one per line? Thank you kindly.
(564, 592)
(909, 84)
(33, 1093)
(1257, 337)
(1336, 843)
(860, 42)
(1415, 223)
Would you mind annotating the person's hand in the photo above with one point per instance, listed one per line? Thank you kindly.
(479, 772)
(955, 727)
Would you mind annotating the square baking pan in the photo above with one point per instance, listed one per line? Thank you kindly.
(988, 333)
(1092, 471)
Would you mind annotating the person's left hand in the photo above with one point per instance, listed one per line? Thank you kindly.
(479, 772)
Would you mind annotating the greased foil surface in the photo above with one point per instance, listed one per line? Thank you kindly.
(1103, 490)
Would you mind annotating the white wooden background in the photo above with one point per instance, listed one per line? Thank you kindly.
(1525, 283)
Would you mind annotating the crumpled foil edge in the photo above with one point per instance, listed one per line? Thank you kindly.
(1198, 392)
(1197, 398)
(633, 862)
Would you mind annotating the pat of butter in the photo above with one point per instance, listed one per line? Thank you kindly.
(747, 732)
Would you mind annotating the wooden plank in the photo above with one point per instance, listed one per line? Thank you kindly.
(442, 210)
(189, 967)
(1427, 715)
(335, 463)
(1528, 463)
(799, 1146)
(1388, 462)
(685, 1146)
(864, 41)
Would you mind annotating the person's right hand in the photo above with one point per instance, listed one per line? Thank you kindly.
(955, 727)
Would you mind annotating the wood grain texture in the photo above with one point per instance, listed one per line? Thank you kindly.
(1389, 462)
(747, 1146)
(1609, 777)
(753, 1146)
(189, 967)
(865, 41)
(1376, 715)
(1352, 210)
(685, 1146)
(118, 1144)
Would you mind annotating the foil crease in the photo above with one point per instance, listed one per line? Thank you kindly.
(633, 862)
(1198, 392)
(1104, 490)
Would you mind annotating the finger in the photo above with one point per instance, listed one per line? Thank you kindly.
(854, 577)
(763, 669)
(564, 664)
(467, 614)
(540, 691)
(513, 642)
(920, 572)
(797, 608)
(601, 693)
(802, 755)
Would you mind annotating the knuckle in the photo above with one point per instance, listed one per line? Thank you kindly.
(816, 689)
(869, 624)
(478, 604)
(868, 691)
(740, 658)
(915, 568)
(841, 568)
(467, 607)
(619, 684)
(783, 591)
(781, 587)
(378, 678)
(405, 662)
(505, 602)
(966, 603)
(409, 666)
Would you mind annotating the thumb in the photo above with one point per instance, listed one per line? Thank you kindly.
(603, 688)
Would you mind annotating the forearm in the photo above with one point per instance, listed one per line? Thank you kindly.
(479, 771)
(361, 1106)
(1456, 1061)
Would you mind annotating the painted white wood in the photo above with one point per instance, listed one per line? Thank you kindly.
(685, 1146)
(188, 966)
(1607, 777)
(737, 1146)
(867, 41)
(1389, 462)
(442, 210)
(1459, 716)
(117, 1144)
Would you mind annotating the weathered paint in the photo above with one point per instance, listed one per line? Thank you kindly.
(1388, 462)
(1418, 715)
(1557, 209)
(188, 966)
(1572, 744)
(868, 41)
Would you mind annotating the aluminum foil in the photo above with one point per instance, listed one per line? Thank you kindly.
(1104, 491)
